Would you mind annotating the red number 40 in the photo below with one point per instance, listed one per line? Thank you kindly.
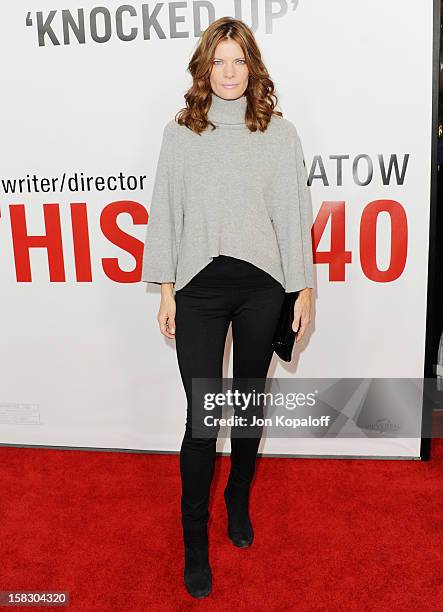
(337, 256)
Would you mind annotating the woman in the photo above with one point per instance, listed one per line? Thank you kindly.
(230, 230)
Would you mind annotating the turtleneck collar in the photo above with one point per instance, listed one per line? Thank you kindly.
(225, 112)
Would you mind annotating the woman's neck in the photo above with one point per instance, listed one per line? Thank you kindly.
(225, 112)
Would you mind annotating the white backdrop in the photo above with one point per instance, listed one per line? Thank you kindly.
(82, 361)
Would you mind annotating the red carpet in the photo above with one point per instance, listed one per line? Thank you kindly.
(335, 534)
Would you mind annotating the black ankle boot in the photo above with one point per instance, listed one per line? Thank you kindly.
(240, 529)
(197, 573)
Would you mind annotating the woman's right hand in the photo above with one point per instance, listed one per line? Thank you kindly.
(166, 312)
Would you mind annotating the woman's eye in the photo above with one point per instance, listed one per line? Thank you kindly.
(242, 61)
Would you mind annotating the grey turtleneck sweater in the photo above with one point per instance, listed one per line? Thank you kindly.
(232, 192)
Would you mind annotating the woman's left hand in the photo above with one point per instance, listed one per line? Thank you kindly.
(302, 312)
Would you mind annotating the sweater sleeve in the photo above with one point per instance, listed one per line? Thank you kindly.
(165, 220)
(291, 213)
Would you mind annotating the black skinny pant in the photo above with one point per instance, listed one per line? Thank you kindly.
(226, 290)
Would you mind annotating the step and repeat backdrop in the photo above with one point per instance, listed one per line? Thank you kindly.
(86, 92)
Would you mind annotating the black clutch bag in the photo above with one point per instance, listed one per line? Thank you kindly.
(284, 336)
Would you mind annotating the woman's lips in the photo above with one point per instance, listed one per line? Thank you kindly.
(230, 86)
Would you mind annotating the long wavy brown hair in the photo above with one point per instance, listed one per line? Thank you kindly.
(260, 94)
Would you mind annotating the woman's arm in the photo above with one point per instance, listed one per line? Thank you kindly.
(292, 218)
(163, 231)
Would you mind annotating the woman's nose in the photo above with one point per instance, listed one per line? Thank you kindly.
(229, 71)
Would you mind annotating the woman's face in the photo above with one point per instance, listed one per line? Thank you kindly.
(229, 75)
